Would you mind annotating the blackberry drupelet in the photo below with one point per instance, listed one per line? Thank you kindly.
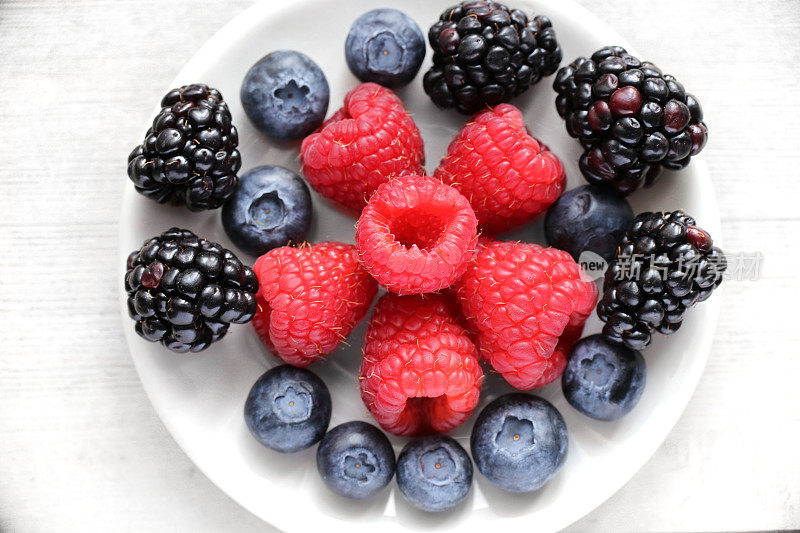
(631, 118)
(184, 291)
(189, 154)
(485, 53)
(664, 265)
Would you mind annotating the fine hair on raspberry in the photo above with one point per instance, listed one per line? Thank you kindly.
(416, 235)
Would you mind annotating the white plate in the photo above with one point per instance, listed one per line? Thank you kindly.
(200, 397)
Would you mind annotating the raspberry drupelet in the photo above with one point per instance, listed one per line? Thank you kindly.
(420, 373)
(508, 176)
(364, 144)
(310, 299)
(526, 305)
(416, 235)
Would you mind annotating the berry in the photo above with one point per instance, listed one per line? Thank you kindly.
(416, 235)
(508, 176)
(434, 473)
(631, 118)
(271, 208)
(184, 291)
(519, 442)
(420, 373)
(285, 95)
(288, 409)
(364, 144)
(665, 264)
(526, 305)
(603, 380)
(588, 218)
(385, 46)
(189, 154)
(485, 53)
(310, 299)
(356, 460)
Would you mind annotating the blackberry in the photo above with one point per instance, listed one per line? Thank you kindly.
(664, 265)
(184, 291)
(189, 155)
(632, 119)
(485, 53)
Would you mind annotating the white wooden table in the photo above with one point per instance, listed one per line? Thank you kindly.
(81, 449)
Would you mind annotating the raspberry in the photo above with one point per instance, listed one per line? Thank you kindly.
(310, 299)
(365, 143)
(420, 372)
(508, 176)
(416, 235)
(526, 306)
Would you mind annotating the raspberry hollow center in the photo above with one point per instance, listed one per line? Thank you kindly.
(417, 228)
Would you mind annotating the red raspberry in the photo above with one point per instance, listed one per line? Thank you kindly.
(526, 305)
(420, 372)
(416, 235)
(508, 176)
(309, 299)
(366, 142)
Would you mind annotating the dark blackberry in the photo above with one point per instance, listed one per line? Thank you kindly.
(189, 155)
(485, 53)
(631, 119)
(184, 291)
(664, 265)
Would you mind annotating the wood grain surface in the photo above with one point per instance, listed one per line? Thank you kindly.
(81, 448)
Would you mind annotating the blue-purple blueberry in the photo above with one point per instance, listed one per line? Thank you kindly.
(288, 409)
(603, 380)
(356, 460)
(385, 46)
(589, 218)
(519, 442)
(285, 95)
(434, 473)
(271, 208)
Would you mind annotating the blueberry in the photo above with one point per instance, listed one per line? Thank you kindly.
(288, 409)
(285, 95)
(604, 380)
(588, 218)
(519, 442)
(271, 208)
(385, 46)
(355, 460)
(434, 473)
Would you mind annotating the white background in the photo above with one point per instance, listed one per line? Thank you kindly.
(82, 449)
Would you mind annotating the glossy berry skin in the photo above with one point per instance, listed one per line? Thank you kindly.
(355, 460)
(630, 117)
(189, 155)
(665, 265)
(588, 218)
(271, 208)
(184, 291)
(508, 176)
(525, 305)
(603, 380)
(434, 473)
(385, 46)
(288, 409)
(416, 235)
(285, 95)
(370, 140)
(310, 299)
(485, 53)
(519, 442)
(420, 372)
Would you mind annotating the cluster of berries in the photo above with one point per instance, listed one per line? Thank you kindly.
(456, 295)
